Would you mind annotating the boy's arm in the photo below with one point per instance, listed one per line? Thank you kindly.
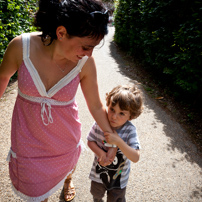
(98, 151)
(129, 152)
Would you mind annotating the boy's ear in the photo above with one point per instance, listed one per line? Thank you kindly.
(131, 117)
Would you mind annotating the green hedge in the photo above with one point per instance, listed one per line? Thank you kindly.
(16, 17)
(166, 36)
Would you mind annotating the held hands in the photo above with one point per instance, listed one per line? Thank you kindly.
(102, 157)
(111, 138)
(109, 157)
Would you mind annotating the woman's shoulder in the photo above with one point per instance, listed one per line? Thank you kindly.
(16, 43)
(13, 55)
(90, 62)
(35, 35)
(35, 39)
(14, 49)
(89, 68)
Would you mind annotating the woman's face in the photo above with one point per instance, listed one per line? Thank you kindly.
(76, 47)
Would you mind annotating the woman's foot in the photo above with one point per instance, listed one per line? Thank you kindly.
(69, 190)
(46, 200)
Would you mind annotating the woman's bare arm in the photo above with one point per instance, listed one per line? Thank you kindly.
(91, 93)
(11, 61)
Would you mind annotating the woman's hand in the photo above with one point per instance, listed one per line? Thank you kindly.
(110, 156)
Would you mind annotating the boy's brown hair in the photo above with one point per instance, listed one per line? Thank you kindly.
(128, 97)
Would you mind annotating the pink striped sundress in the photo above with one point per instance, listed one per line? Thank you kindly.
(46, 131)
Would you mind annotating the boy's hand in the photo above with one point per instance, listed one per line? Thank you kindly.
(102, 157)
(112, 138)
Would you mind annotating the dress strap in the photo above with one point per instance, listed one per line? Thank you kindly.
(26, 45)
(82, 62)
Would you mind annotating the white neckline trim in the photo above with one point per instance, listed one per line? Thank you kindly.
(35, 76)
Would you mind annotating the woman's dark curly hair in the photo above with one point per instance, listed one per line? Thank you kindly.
(80, 18)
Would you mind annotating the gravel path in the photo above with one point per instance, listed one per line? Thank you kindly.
(169, 168)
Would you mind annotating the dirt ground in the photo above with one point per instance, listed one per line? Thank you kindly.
(170, 164)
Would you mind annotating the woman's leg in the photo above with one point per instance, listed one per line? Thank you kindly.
(45, 200)
(69, 190)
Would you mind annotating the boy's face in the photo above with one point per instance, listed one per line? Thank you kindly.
(117, 117)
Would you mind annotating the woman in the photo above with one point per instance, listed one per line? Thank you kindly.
(46, 131)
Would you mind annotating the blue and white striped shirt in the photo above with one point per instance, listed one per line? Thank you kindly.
(116, 174)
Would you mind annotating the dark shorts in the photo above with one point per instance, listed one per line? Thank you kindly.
(115, 195)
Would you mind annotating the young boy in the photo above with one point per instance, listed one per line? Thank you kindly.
(124, 104)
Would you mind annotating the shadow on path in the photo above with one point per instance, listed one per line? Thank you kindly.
(180, 141)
